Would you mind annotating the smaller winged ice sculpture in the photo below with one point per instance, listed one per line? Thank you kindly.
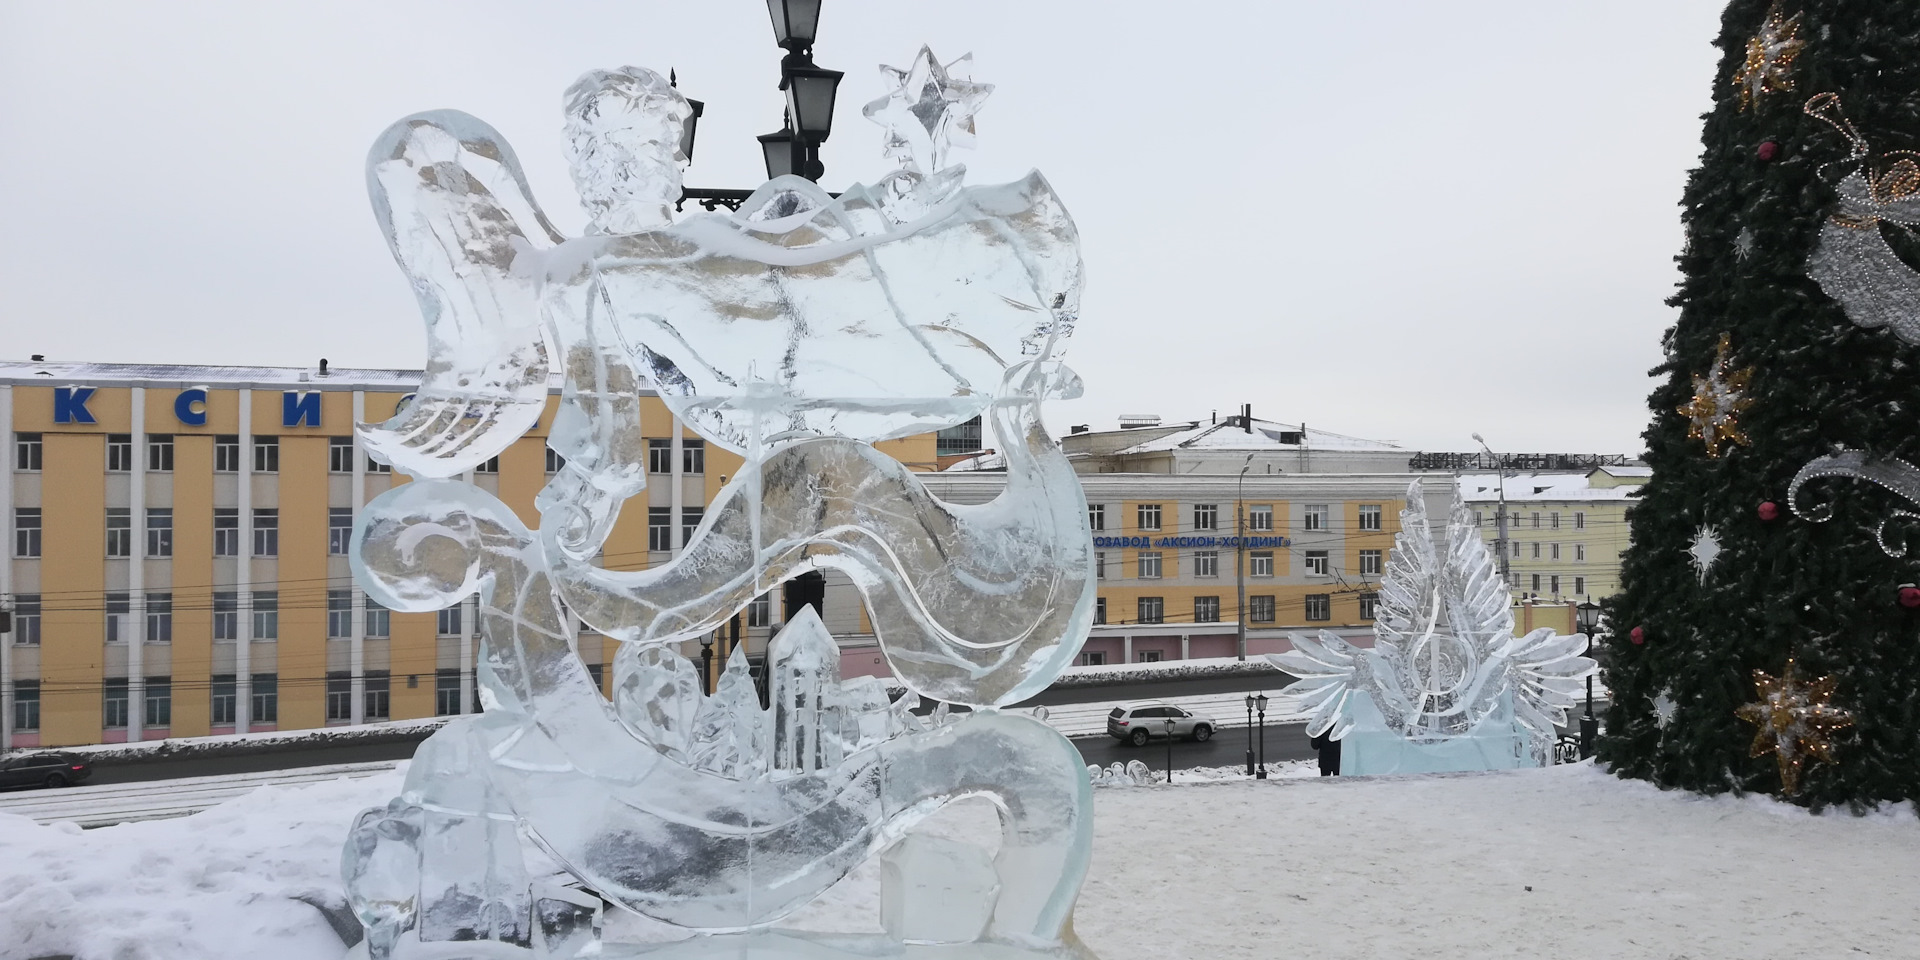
(1443, 652)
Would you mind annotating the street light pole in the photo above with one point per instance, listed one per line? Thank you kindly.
(1589, 614)
(1240, 556)
(1261, 703)
(1169, 749)
(1249, 735)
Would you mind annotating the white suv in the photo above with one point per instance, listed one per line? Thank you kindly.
(1136, 723)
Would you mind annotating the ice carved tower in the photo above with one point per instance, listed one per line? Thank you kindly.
(795, 333)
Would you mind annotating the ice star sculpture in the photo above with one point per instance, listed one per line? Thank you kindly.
(796, 333)
(1446, 686)
(928, 112)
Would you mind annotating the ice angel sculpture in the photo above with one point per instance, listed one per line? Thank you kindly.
(1446, 685)
(796, 332)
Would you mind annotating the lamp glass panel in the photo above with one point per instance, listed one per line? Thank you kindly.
(688, 127)
(810, 96)
(794, 20)
(778, 151)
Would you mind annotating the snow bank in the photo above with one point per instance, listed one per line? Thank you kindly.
(1563, 862)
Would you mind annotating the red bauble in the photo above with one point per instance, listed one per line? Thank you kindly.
(1638, 635)
(1769, 510)
(1768, 150)
(1909, 596)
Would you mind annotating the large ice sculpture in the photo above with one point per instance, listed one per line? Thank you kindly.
(796, 332)
(1446, 685)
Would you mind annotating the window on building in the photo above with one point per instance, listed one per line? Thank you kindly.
(1149, 563)
(760, 611)
(1536, 519)
(226, 455)
(377, 703)
(27, 456)
(693, 455)
(159, 532)
(1260, 609)
(489, 465)
(1206, 563)
(226, 531)
(1260, 518)
(1151, 610)
(26, 706)
(1206, 516)
(1316, 561)
(1099, 564)
(1553, 550)
(266, 532)
(1314, 517)
(1369, 606)
(596, 671)
(339, 530)
(1579, 551)
(659, 528)
(1093, 658)
(1096, 517)
(1099, 610)
(1260, 563)
(1369, 563)
(1478, 519)
(339, 614)
(1536, 550)
(113, 702)
(1206, 609)
(224, 691)
(689, 520)
(339, 696)
(1553, 584)
(1146, 656)
(266, 454)
(1579, 520)
(1580, 585)
(446, 692)
(26, 619)
(160, 452)
(659, 455)
(375, 466)
(226, 615)
(159, 607)
(266, 698)
(119, 452)
(555, 462)
(1516, 549)
(1536, 583)
(959, 438)
(266, 614)
(1553, 520)
(447, 622)
(339, 454)
(26, 532)
(1319, 606)
(379, 620)
(1148, 515)
(158, 699)
(119, 532)
(119, 609)
(1369, 516)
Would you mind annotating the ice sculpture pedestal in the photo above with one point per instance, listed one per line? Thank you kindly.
(1497, 742)
(794, 945)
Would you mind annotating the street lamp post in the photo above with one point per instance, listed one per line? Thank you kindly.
(1500, 522)
(810, 93)
(1249, 734)
(1260, 703)
(1589, 618)
(1240, 556)
(1169, 749)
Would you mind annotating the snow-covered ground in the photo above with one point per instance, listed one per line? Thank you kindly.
(1565, 862)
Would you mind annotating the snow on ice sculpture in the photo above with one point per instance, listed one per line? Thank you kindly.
(1446, 685)
(796, 332)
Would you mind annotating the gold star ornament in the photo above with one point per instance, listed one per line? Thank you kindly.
(1796, 720)
(1713, 415)
(1768, 67)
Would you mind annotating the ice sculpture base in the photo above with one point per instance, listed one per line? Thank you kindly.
(1498, 742)
(794, 945)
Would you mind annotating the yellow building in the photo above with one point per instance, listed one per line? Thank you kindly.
(1565, 532)
(177, 552)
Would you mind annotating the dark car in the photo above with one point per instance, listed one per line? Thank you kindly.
(43, 770)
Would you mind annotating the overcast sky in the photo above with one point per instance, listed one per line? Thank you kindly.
(1405, 221)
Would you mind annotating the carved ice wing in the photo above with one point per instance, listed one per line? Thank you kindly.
(1329, 669)
(456, 211)
(1407, 587)
(1479, 606)
(1548, 675)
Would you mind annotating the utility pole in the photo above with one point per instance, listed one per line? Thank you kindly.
(1500, 522)
(1240, 556)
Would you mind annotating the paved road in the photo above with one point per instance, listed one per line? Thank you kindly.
(1284, 742)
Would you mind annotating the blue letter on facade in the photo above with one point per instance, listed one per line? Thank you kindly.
(70, 405)
(183, 407)
(300, 409)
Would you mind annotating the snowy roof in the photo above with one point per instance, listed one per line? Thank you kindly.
(1626, 471)
(1265, 435)
(985, 462)
(1539, 487)
(61, 373)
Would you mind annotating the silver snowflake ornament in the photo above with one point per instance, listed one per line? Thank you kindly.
(1704, 550)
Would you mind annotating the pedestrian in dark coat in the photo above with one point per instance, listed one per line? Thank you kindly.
(1329, 753)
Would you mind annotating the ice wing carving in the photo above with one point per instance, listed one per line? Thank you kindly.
(460, 220)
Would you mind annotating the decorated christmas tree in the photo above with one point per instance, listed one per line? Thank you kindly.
(1767, 635)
